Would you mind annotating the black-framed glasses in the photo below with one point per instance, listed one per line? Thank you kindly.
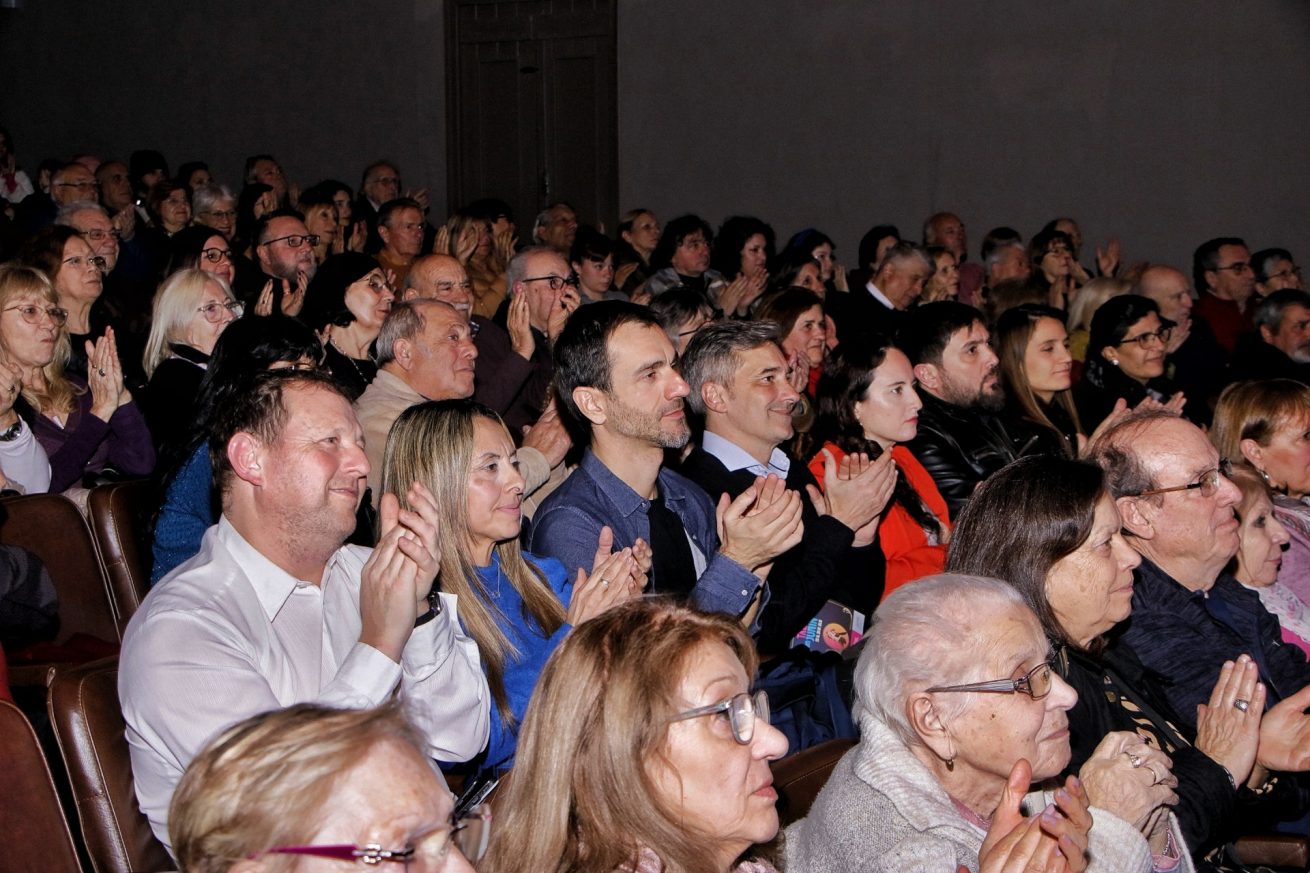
(742, 710)
(1238, 267)
(1145, 339)
(32, 313)
(556, 282)
(1207, 483)
(295, 240)
(470, 833)
(1289, 273)
(1036, 683)
(79, 261)
(215, 254)
(214, 311)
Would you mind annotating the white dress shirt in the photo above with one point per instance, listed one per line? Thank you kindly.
(879, 296)
(228, 635)
(735, 458)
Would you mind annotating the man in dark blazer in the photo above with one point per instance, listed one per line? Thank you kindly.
(878, 306)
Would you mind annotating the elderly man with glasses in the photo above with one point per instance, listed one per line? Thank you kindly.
(1190, 616)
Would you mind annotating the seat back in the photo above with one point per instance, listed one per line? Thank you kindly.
(35, 831)
(120, 522)
(88, 723)
(799, 778)
(51, 527)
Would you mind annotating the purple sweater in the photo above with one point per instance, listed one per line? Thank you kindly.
(88, 445)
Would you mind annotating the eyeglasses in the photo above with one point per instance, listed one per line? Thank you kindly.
(1207, 483)
(470, 833)
(79, 261)
(81, 186)
(100, 234)
(378, 285)
(214, 311)
(221, 213)
(1287, 274)
(1036, 683)
(1239, 267)
(32, 314)
(1144, 339)
(295, 240)
(556, 282)
(742, 710)
(215, 255)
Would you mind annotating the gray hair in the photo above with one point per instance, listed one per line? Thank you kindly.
(994, 256)
(1269, 311)
(205, 197)
(66, 212)
(517, 270)
(1114, 451)
(905, 251)
(927, 634)
(711, 356)
(404, 321)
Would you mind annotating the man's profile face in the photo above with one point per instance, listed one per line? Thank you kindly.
(968, 370)
(949, 232)
(560, 229)
(315, 471)
(541, 267)
(1293, 336)
(645, 400)
(903, 281)
(760, 398)
(1233, 277)
(1172, 293)
(279, 258)
(1012, 264)
(443, 355)
(73, 184)
(441, 277)
(115, 185)
(269, 172)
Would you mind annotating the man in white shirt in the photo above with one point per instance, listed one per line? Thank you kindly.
(275, 611)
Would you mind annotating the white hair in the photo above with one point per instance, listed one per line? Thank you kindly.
(933, 631)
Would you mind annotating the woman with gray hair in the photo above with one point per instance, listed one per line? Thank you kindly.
(959, 711)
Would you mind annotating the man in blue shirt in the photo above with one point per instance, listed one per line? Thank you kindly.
(615, 377)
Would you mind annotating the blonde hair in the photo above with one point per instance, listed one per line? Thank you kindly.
(175, 305)
(57, 395)
(1089, 299)
(583, 798)
(1256, 411)
(432, 443)
(263, 782)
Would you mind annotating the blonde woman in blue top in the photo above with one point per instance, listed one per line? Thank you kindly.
(518, 607)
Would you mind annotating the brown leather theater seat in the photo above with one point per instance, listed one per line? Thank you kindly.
(35, 831)
(120, 522)
(88, 723)
(798, 778)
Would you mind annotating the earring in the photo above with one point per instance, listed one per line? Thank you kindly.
(1264, 476)
(1114, 361)
(950, 764)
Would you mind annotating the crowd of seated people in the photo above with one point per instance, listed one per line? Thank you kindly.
(573, 514)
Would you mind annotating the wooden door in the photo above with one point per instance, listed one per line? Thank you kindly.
(532, 97)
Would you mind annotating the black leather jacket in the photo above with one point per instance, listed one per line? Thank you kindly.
(961, 447)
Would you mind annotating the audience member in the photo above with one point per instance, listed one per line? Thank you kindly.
(945, 230)
(1221, 268)
(682, 257)
(820, 246)
(516, 606)
(1275, 269)
(1036, 372)
(1091, 296)
(944, 283)
(284, 251)
(346, 304)
(655, 698)
(639, 233)
(803, 327)
(877, 306)
(1261, 541)
(400, 234)
(555, 228)
(265, 170)
(275, 611)
(1195, 362)
(1280, 346)
(1125, 360)
(592, 260)
(1051, 256)
(314, 782)
(379, 184)
(216, 208)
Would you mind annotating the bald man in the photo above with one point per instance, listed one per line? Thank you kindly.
(1195, 362)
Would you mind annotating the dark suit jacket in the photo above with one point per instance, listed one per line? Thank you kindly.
(823, 567)
(858, 314)
(497, 361)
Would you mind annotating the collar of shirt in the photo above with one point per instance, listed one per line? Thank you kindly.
(879, 296)
(271, 583)
(627, 501)
(736, 458)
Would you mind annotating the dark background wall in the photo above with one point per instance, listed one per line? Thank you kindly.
(1163, 122)
(326, 87)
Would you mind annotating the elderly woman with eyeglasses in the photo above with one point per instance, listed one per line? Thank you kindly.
(348, 299)
(1126, 358)
(86, 426)
(960, 710)
(643, 751)
(192, 308)
(311, 788)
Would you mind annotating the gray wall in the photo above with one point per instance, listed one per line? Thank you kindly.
(327, 87)
(1164, 122)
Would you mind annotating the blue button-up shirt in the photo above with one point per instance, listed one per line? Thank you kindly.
(568, 524)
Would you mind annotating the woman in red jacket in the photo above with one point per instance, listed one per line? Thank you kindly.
(867, 403)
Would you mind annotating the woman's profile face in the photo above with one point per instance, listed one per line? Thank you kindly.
(809, 337)
(321, 221)
(1047, 363)
(823, 254)
(1091, 588)
(1141, 353)
(889, 410)
(1261, 539)
(28, 345)
(808, 278)
(645, 233)
(79, 277)
(944, 283)
(996, 730)
(754, 255)
(495, 489)
(1286, 460)
(704, 775)
(202, 333)
(369, 299)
